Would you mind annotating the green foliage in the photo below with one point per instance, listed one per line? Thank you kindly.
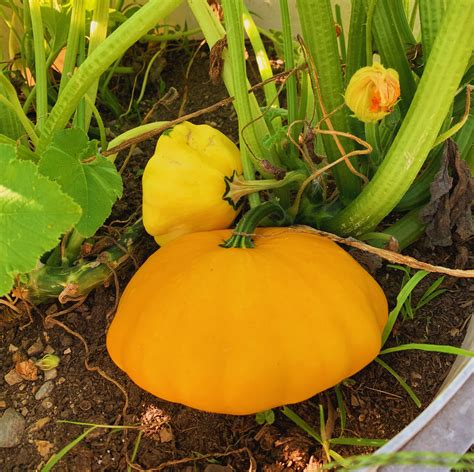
(89, 178)
(402, 297)
(265, 417)
(409, 310)
(10, 125)
(56, 25)
(34, 213)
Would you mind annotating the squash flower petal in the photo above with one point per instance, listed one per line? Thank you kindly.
(373, 92)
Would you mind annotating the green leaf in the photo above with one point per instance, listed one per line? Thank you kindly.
(34, 212)
(21, 151)
(265, 417)
(56, 24)
(89, 178)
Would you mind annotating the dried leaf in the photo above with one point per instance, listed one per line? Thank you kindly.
(27, 370)
(449, 210)
(216, 61)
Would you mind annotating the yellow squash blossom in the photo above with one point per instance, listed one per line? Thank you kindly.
(373, 92)
(183, 183)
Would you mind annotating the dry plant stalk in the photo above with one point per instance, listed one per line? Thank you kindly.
(390, 256)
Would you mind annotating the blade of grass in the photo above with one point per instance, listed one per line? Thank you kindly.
(405, 386)
(341, 407)
(135, 450)
(361, 442)
(443, 349)
(401, 298)
(289, 413)
(59, 455)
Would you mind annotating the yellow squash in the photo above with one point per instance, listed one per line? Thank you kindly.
(239, 331)
(183, 183)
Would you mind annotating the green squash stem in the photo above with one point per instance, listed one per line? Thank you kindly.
(245, 229)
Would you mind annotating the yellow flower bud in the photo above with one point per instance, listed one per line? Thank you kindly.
(373, 92)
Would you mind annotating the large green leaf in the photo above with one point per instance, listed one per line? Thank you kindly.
(34, 212)
(90, 179)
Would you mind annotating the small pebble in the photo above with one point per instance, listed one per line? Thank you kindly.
(12, 348)
(48, 350)
(40, 424)
(36, 348)
(43, 447)
(67, 351)
(12, 425)
(12, 378)
(24, 411)
(47, 404)
(44, 390)
(61, 380)
(50, 374)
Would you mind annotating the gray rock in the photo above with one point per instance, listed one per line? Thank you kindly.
(47, 404)
(12, 425)
(44, 390)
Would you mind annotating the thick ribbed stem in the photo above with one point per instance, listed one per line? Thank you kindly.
(319, 34)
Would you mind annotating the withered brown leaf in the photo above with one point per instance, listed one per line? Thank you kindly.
(449, 210)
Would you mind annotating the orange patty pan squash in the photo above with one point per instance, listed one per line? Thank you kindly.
(238, 331)
(183, 183)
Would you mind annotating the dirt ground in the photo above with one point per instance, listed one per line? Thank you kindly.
(190, 440)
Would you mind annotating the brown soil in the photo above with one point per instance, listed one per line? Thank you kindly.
(377, 406)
